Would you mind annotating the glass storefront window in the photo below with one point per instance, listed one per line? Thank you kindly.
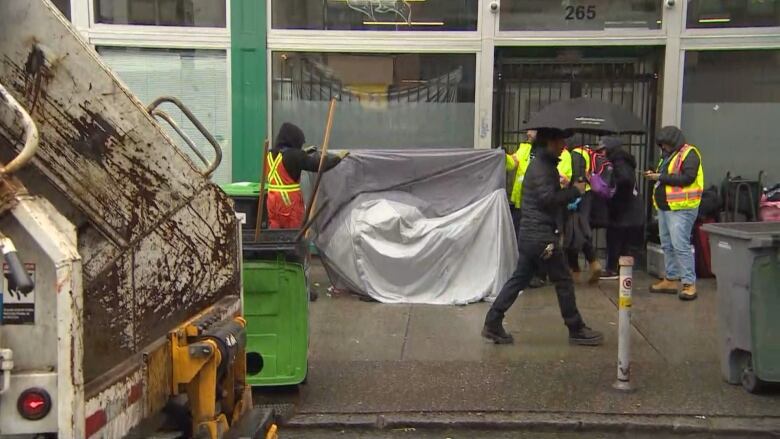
(384, 100)
(734, 127)
(197, 13)
(580, 15)
(733, 13)
(379, 15)
(197, 77)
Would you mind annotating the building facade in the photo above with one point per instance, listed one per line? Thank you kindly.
(451, 73)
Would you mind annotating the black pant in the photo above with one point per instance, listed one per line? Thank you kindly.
(527, 265)
(622, 241)
(573, 255)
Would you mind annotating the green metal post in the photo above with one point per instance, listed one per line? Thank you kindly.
(249, 90)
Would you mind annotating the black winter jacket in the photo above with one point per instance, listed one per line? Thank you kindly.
(297, 160)
(625, 208)
(689, 171)
(544, 201)
(289, 142)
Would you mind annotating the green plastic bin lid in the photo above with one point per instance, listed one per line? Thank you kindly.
(245, 189)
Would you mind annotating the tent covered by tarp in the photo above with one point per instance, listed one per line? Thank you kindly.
(417, 226)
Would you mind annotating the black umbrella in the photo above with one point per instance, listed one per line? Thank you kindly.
(583, 115)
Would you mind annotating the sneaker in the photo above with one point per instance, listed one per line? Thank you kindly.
(497, 334)
(666, 286)
(586, 337)
(688, 292)
(595, 272)
(536, 283)
(609, 275)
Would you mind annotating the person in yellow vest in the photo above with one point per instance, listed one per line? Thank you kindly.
(679, 183)
(565, 168)
(518, 163)
(581, 170)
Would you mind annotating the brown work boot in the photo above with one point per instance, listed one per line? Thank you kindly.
(595, 272)
(688, 292)
(666, 286)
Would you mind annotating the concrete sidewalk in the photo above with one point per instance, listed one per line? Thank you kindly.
(407, 360)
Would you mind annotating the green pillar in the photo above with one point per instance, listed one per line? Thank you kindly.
(249, 92)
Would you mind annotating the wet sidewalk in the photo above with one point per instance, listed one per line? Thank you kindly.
(370, 358)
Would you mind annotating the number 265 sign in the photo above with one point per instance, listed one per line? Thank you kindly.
(581, 12)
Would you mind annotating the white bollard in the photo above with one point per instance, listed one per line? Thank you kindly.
(624, 325)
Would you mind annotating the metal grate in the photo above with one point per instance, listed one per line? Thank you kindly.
(524, 86)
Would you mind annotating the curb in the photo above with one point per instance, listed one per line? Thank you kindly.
(545, 422)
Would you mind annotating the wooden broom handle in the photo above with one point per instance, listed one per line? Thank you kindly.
(323, 155)
(261, 196)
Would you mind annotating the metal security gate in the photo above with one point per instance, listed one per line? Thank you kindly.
(524, 86)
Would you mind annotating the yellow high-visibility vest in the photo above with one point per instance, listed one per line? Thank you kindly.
(681, 198)
(520, 160)
(564, 164)
(585, 156)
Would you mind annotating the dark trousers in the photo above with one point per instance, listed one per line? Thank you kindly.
(573, 255)
(529, 262)
(622, 241)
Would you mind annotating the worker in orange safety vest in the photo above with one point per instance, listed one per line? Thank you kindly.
(283, 166)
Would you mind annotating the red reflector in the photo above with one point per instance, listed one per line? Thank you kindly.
(34, 404)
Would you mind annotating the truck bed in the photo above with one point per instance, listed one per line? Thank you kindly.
(158, 240)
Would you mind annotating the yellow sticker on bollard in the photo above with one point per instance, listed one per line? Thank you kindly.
(624, 302)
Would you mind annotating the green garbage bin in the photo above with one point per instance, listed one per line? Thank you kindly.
(244, 196)
(276, 306)
(746, 262)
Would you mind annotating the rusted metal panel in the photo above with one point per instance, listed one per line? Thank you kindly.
(97, 141)
(109, 312)
(158, 239)
(188, 263)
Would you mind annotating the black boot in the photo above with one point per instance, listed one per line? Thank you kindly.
(585, 336)
(494, 331)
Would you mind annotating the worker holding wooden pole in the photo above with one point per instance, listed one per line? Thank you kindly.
(282, 171)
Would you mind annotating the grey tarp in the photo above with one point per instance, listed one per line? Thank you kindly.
(417, 226)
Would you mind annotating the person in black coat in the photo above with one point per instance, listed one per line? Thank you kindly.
(544, 203)
(626, 212)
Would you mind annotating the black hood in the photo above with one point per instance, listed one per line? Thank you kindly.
(610, 143)
(670, 135)
(618, 154)
(539, 149)
(290, 136)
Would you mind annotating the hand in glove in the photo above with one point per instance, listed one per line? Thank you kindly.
(574, 205)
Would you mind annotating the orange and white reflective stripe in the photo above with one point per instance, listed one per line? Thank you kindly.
(275, 182)
(680, 158)
(684, 195)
